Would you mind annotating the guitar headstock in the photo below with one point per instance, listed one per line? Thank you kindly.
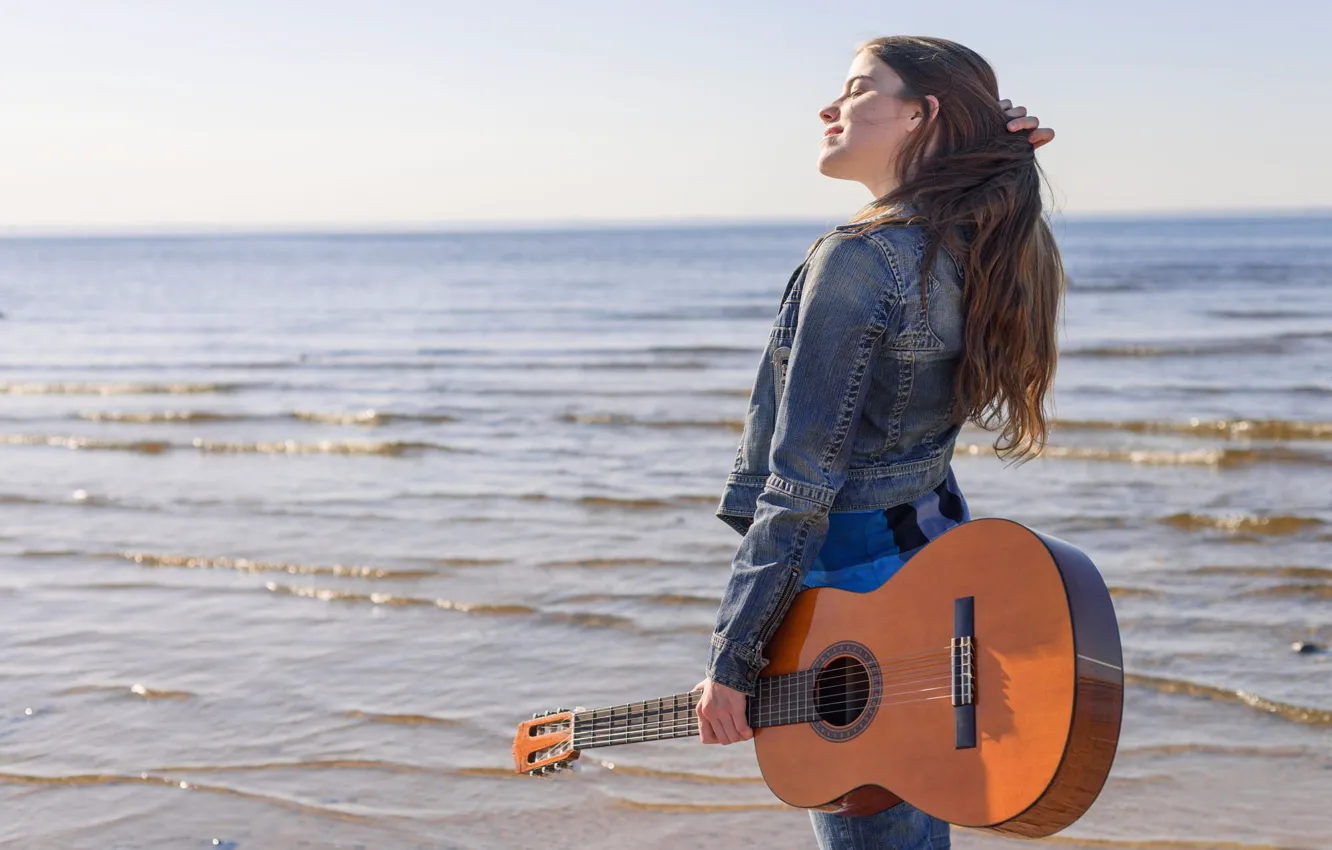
(544, 744)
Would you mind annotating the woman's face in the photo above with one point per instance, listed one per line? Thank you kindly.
(864, 127)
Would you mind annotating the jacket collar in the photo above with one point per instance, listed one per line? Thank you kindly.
(905, 209)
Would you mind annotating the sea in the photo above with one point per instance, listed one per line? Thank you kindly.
(296, 528)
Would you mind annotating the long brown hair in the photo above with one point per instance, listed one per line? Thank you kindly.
(979, 194)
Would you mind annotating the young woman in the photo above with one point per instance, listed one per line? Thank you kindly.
(935, 305)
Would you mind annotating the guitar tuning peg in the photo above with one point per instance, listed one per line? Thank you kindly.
(547, 770)
(536, 714)
(562, 764)
(534, 772)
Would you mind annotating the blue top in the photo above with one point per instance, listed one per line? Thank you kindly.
(864, 549)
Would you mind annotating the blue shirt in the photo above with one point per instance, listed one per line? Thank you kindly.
(864, 549)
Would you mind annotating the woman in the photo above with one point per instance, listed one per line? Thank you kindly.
(935, 305)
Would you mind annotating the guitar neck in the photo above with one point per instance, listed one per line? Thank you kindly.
(779, 700)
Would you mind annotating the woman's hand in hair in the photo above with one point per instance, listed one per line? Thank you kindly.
(1019, 121)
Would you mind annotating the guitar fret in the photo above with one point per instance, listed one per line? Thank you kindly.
(778, 700)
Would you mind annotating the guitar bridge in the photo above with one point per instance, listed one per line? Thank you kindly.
(962, 665)
(964, 682)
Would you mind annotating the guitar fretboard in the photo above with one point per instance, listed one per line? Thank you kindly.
(778, 700)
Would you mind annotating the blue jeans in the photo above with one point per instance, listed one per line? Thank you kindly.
(903, 827)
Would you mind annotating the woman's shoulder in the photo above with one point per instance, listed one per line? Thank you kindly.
(905, 244)
(888, 251)
(841, 255)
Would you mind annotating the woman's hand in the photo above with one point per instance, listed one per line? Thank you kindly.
(1018, 121)
(721, 714)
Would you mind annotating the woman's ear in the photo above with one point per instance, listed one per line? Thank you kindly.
(934, 106)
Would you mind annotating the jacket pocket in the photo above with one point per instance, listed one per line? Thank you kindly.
(780, 357)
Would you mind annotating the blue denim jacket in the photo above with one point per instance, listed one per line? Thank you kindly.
(848, 412)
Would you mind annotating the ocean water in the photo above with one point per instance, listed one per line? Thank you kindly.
(295, 529)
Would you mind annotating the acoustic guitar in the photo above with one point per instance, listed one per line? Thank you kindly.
(983, 684)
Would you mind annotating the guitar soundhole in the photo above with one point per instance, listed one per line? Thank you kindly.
(841, 691)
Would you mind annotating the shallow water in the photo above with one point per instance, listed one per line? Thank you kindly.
(294, 530)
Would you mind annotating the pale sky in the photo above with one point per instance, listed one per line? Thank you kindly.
(129, 114)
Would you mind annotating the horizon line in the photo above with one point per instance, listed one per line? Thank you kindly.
(408, 228)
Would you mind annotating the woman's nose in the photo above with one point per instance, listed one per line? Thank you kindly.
(828, 114)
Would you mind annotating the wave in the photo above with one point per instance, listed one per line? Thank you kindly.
(178, 416)
(1296, 713)
(310, 764)
(246, 565)
(371, 417)
(138, 689)
(489, 772)
(586, 501)
(593, 620)
(563, 392)
(733, 425)
(1311, 591)
(1266, 345)
(400, 719)
(610, 562)
(61, 388)
(1215, 749)
(325, 594)
(1159, 844)
(147, 447)
(692, 365)
(1134, 593)
(390, 448)
(650, 598)
(86, 779)
(465, 562)
(1228, 389)
(1242, 523)
(1231, 429)
(1279, 571)
(1249, 315)
(699, 808)
(1220, 458)
(190, 417)
(588, 619)
(642, 504)
(676, 775)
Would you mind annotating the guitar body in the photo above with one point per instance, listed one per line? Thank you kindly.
(1047, 688)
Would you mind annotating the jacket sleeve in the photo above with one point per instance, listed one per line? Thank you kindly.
(848, 296)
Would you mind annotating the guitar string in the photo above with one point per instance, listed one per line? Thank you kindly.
(901, 661)
(651, 730)
(773, 702)
(801, 675)
(690, 728)
(594, 736)
(801, 679)
(825, 679)
(644, 723)
(643, 720)
(799, 694)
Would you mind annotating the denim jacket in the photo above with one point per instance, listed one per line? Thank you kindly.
(848, 412)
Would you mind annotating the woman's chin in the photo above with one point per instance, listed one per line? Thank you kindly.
(828, 165)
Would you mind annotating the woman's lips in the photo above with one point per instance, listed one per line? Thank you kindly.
(832, 131)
